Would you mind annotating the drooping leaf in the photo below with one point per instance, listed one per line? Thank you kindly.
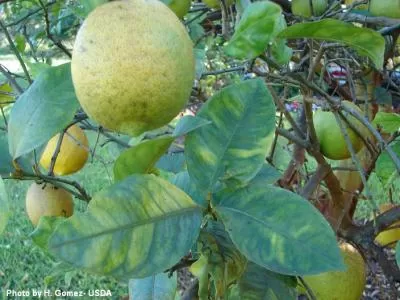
(44, 109)
(188, 124)
(141, 158)
(234, 146)
(136, 228)
(390, 122)
(183, 181)
(4, 207)
(260, 24)
(269, 225)
(155, 287)
(258, 283)
(365, 41)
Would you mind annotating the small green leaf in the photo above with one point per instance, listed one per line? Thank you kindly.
(200, 57)
(155, 287)
(188, 124)
(384, 166)
(4, 207)
(234, 146)
(269, 225)
(141, 158)
(366, 41)
(44, 230)
(390, 122)
(46, 108)
(20, 43)
(259, 25)
(136, 228)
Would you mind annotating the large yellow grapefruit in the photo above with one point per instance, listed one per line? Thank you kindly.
(332, 142)
(47, 200)
(74, 152)
(132, 65)
(341, 285)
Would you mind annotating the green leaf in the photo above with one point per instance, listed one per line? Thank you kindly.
(260, 24)
(270, 225)
(390, 122)
(267, 175)
(398, 253)
(155, 287)
(366, 41)
(46, 108)
(6, 165)
(183, 181)
(172, 162)
(189, 123)
(20, 43)
(36, 68)
(258, 283)
(136, 228)
(89, 5)
(141, 158)
(384, 166)
(44, 230)
(234, 146)
(200, 57)
(4, 207)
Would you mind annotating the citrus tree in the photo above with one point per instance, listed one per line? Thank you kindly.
(214, 171)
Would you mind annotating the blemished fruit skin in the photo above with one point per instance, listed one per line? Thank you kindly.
(133, 65)
(74, 152)
(341, 285)
(216, 3)
(179, 7)
(332, 142)
(385, 8)
(47, 200)
(388, 237)
(303, 7)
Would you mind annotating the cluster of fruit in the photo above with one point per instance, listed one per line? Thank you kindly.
(69, 157)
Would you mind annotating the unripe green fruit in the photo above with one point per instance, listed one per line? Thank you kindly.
(303, 7)
(179, 7)
(385, 8)
(332, 142)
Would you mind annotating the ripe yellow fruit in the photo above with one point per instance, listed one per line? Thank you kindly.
(303, 7)
(133, 65)
(47, 200)
(385, 8)
(340, 285)
(332, 142)
(74, 152)
(388, 237)
(216, 3)
(179, 7)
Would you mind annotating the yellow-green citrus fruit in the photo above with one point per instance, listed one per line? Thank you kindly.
(179, 7)
(359, 7)
(216, 3)
(74, 152)
(132, 65)
(332, 142)
(47, 200)
(388, 237)
(5, 97)
(385, 8)
(303, 7)
(341, 285)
